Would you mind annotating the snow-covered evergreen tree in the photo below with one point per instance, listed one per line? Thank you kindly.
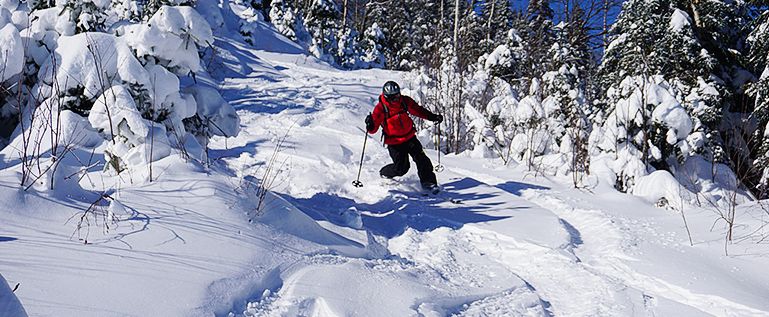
(497, 16)
(565, 103)
(395, 23)
(372, 45)
(539, 36)
(758, 55)
(286, 18)
(655, 67)
(317, 25)
(508, 60)
(471, 36)
(322, 20)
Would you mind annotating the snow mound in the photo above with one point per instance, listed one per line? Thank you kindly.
(661, 185)
(280, 214)
(519, 301)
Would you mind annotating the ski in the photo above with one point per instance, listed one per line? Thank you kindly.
(441, 194)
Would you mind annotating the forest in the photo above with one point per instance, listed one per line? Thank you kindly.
(621, 87)
(595, 88)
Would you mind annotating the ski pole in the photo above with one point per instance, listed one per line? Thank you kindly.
(439, 167)
(357, 182)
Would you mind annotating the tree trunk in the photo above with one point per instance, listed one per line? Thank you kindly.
(456, 29)
(344, 14)
(605, 23)
(491, 18)
(443, 10)
(696, 13)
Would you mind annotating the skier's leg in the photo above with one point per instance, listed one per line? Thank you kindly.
(424, 165)
(400, 165)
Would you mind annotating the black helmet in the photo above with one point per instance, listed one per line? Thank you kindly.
(391, 89)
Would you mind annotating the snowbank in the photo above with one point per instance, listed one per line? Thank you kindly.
(661, 188)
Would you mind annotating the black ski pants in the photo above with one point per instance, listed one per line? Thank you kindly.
(400, 165)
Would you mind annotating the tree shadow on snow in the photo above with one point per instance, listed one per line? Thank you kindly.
(235, 151)
(403, 209)
(517, 188)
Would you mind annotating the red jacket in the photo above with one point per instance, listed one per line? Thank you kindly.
(399, 127)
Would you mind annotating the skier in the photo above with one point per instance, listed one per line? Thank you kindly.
(392, 113)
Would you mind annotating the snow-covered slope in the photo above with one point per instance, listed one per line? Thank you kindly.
(195, 242)
(9, 304)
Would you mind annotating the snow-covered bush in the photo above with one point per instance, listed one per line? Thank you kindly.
(88, 16)
(11, 52)
(171, 38)
(652, 121)
(125, 87)
(12, 59)
(214, 116)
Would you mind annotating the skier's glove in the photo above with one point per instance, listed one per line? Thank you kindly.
(438, 118)
(369, 122)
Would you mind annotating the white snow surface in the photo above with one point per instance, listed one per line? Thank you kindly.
(679, 20)
(11, 51)
(196, 241)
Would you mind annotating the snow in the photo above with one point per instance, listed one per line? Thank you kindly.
(20, 19)
(12, 52)
(9, 4)
(675, 117)
(216, 112)
(172, 35)
(501, 56)
(138, 141)
(679, 20)
(200, 239)
(9, 304)
(658, 185)
(183, 21)
(109, 60)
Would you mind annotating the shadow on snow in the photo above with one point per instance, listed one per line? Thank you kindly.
(401, 210)
(517, 188)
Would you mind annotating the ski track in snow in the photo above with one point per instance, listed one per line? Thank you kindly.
(448, 267)
(603, 252)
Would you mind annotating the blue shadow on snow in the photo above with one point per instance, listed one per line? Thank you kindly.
(401, 210)
(517, 188)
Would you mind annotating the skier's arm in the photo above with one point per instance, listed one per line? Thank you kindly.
(378, 117)
(419, 111)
